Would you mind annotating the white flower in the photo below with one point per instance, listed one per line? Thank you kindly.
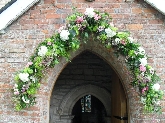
(130, 39)
(90, 12)
(24, 77)
(64, 35)
(110, 33)
(33, 79)
(143, 100)
(156, 87)
(26, 101)
(143, 61)
(151, 71)
(42, 50)
(15, 86)
(158, 102)
(141, 50)
(117, 40)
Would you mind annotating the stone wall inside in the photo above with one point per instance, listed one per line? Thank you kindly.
(85, 69)
(22, 37)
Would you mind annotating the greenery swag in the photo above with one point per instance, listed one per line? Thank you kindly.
(81, 26)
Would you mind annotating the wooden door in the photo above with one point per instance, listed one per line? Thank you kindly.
(119, 106)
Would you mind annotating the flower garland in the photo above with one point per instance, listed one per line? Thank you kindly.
(67, 38)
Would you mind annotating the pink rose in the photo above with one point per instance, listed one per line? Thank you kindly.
(49, 43)
(96, 17)
(142, 68)
(79, 19)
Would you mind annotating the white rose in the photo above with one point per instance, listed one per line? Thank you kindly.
(156, 87)
(90, 12)
(26, 101)
(64, 35)
(143, 61)
(42, 50)
(110, 33)
(141, 50)
(24, 77)
(130, 39)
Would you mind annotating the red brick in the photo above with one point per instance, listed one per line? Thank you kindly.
(64, 1)
(155, 21)
(41, 21)
(135, 26)
(45, 31)
(137, 10)
(149, 10)
(51, 16)
(49, 1)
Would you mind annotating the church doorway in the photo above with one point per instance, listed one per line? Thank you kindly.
(89, 109)
(91, 78)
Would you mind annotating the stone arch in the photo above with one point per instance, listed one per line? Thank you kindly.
(117, 64)
(76, 93)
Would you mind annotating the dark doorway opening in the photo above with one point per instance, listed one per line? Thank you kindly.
(90, 111)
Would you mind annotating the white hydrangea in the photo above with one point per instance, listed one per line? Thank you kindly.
(141, 50)
(143, 61)
(42, 50)
(156, 87)
(64, 35)
(24, 77)
(90, 12)
(110, 33)
(25, 101)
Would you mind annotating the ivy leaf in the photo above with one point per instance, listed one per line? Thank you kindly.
(72, 32)
(28, 70)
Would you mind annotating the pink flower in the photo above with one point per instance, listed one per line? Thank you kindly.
(142, 68)
(123, 42)
(60, 29)
(49, 43)
(16, 92)
(29, 63)
(96, 17)
(79, 19)
(144, 89)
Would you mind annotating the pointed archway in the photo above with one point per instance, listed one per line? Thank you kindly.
(118, 66)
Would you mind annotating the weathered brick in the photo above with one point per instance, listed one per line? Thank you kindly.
(135, 26)
(137, 10)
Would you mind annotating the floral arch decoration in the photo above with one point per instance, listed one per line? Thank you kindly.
(67, 38)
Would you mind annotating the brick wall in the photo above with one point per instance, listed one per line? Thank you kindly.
(145, 24)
